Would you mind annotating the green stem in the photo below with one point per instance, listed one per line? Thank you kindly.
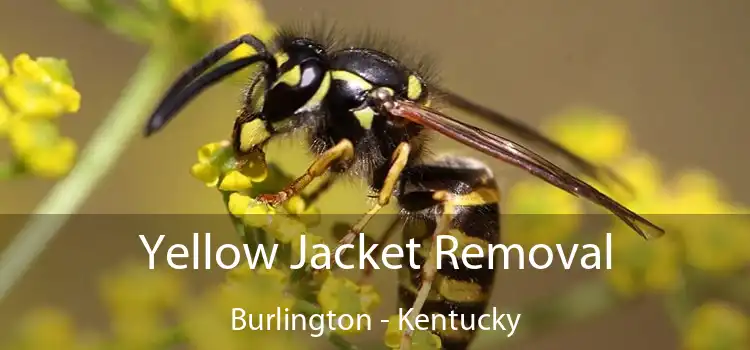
(101, 154)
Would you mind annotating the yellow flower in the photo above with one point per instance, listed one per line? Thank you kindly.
(715, 325)
(540, 214)
(4, 69)
(41, 88)
(38, 144)
(198, 10)
(48, 329)
(716, 243)
(287, 229)
(53, 161)
(640, 266)
(715, 237)
(421, 340)
(5, 117)
(254, 291)
(595, 135)
(310, 241)
(697, 192)
(342, 296)
(215, 161)
(240, 17)
(137, 299)
(309, 215)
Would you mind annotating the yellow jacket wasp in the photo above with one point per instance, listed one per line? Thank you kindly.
(366, 114)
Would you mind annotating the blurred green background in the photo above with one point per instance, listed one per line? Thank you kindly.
(675, 70)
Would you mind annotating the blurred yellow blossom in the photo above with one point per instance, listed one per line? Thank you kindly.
(256, 292)
(231, 18)
(41, 88)
(37, 91)
(137, 299)
(716, 243)
(421, 340)
(595, 135)
(47, 328)
(39, 145)
(342, 296)
(240, 17)
(717, 326)
(4, 69)
(198, 10)
(5, 117)
(540, 214)
(310, 241)
(640, 266)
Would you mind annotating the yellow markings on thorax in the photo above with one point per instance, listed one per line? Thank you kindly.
(281, 58)
(321, 93)
(414, 88)
(291, 77)
(253, 134)
(363, 115)
(352, 79)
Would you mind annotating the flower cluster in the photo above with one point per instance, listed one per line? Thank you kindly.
(36, 93)
(706, 233)
(240, 181)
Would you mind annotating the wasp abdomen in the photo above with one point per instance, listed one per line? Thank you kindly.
(461, 289)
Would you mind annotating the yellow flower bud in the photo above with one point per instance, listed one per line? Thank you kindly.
(5, 117)
(235, 181)
(4, 69)
(295, 205)
(286, 229)
(207, 151)
(238, 204)
(205, 172)
(53, 161)
(40, 99)
(342, 296)
(258, 215)
(24, 66)
(310, 241)
(27, 135)
(198, 10)
(41, 87)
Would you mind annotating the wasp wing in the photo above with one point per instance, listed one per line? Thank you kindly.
(518, 155)
(528, 133)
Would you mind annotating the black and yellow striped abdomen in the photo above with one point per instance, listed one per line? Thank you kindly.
(457, 290)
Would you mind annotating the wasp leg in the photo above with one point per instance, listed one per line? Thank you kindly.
(342, 151)
(398, 163)
(315, 194)
(367, 273)
(429, 270)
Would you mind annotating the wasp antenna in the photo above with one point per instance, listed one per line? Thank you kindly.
(176, 96)
(169, 108)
